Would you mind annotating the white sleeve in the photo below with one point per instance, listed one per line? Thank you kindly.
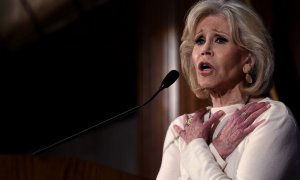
(271, 148)
(217, 156)
(269, 152)
(200, 163)
(170, 165)
(172, 157)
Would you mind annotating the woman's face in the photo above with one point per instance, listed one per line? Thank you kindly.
(217, 60)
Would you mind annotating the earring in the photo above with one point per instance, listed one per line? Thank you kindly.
(248, 78)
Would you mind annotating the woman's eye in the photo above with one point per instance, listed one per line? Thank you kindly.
(221, 40)
(200, 41)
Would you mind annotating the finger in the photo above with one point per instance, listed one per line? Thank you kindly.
(214, 118)
(201, 112)
(259, 111)
(253, 126)
(178, 129)
(245, 112)
(246, 107)
(188, 119)
(185, 119)
(244, 115)
(255, 114)
(232, 121)
(255, 107)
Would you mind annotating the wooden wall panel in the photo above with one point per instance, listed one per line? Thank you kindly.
(24, 167)
(150, 75)
(157, 17)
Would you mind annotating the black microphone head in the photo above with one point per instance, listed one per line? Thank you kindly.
(170, 78)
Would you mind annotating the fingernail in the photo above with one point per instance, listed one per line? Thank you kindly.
(221, 112)
(261, 121)
(175, 127)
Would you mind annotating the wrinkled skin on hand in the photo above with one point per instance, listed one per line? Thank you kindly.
(238, 127)
(235, 130)
(198, 127)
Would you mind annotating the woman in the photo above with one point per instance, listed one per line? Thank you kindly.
(226, 56)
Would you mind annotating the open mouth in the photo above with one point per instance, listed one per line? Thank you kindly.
(203, 66)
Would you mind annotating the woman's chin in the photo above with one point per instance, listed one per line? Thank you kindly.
(207, 86)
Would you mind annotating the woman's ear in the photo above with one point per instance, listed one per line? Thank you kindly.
(248, 64)
(246, 68)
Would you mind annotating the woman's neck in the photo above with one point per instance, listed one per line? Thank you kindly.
(233, 96)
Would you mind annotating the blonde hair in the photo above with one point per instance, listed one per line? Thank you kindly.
(248, 32)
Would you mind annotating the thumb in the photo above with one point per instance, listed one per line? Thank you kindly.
(215, 117)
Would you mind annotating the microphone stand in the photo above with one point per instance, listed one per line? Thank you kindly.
(168, 80)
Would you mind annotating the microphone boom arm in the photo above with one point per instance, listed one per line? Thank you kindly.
(168, 80)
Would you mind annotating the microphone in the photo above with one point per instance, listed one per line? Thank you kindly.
(169, 79)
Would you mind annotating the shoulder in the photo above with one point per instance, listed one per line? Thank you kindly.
(279, 114)
(179, 121)
(172, 137)
(278, 109)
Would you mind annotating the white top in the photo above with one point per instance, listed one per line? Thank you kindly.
(270, 152)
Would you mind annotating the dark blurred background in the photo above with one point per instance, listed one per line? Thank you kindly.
(73, 69)
(67, 65)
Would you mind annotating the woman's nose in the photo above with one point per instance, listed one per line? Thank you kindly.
(207, 50)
